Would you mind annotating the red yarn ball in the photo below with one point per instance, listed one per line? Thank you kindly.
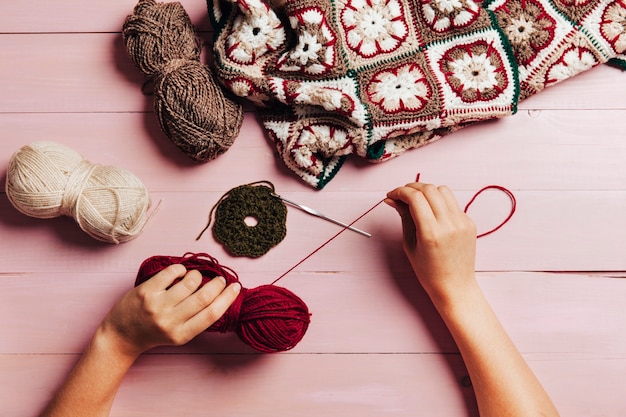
(267, 318)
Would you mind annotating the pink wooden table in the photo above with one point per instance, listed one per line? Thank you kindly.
(376, 346)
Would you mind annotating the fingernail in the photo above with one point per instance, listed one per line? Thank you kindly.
(222, 279)
(236, 287)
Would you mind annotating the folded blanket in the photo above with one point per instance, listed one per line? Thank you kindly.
(378, 77)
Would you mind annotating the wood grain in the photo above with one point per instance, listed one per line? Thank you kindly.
(554, 274)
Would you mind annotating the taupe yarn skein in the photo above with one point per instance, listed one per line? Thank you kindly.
(47, 180)
(191, 107)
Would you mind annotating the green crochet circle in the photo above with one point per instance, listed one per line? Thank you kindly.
(256, 201)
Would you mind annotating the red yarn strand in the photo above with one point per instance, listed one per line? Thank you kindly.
(417, 178)
(327, 242)
(268, 318)
(505, 221)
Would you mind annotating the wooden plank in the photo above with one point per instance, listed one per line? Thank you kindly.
(135, 142)
(549, 232)
(352, 312)
(84, 73)
(311, 385)
(91, 72)
(34, 16)
(375, 346)
(547, 150)
(583, 91)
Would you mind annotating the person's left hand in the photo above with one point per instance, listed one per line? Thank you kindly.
(152, 314)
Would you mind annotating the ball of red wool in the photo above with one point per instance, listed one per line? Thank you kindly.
(268, 318)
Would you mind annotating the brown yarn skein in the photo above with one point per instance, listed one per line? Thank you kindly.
(191, 107)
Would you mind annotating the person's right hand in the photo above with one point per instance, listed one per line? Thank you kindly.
(439, 239)
(152, 314)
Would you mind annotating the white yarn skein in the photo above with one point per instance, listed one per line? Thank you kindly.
(47, 179)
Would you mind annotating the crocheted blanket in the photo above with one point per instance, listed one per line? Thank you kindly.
(378, 77)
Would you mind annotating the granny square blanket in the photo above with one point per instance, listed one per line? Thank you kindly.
(378, 77)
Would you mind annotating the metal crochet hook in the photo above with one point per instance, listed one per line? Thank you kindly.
(321, 215)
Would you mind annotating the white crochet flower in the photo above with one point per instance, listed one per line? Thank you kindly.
(400, 89)
(447, 6)
(442, 15)
(314, 53)
(573, 61)
(614, 26)
(374, 26)
(306, 50)
(320, 140)
(475, 71)
(520, 30)
(328, 98)
(254, 35)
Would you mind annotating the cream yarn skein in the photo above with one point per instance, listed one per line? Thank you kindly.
(47, 180)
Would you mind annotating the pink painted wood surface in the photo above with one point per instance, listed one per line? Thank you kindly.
(90, 72)
(543, 312)
(312, 385)
(38, 16)
(376, 346)
(550, 231)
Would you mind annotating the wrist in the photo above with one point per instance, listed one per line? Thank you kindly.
(110, 342)
(456, 294)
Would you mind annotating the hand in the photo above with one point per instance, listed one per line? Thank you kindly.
(439, 239)
(152, 314)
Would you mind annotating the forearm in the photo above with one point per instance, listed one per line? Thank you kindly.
(503, 382)
(158, 312)
(93, 383)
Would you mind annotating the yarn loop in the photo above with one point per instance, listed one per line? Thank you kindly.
(268, 318)
(47, 180)
(191, 107)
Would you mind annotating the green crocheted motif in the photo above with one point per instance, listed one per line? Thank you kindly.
(255, 201)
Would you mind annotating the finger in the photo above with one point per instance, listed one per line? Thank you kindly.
(398, 205)
(204, 318)
(199, 300)
(434, 197)
(409, 231)
(449, 198)
(184, 288)
(164, 278)
(421, 222)
(416, 201)
(408, 226)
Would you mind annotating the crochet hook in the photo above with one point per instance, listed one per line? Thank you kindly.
(321, 215)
